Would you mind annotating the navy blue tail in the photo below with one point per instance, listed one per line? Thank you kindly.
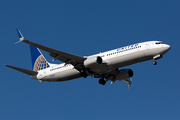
(38, 60)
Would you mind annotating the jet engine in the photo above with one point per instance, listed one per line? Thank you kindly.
(123, 74)
(92, 61)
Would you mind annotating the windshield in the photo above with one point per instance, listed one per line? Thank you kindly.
(159, 43)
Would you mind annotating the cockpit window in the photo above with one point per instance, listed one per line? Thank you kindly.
(159, 43)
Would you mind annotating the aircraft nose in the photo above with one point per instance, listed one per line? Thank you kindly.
(168, 47)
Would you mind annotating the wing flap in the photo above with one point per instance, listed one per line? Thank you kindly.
(29, 72)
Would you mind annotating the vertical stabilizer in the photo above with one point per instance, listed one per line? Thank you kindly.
(39, 62)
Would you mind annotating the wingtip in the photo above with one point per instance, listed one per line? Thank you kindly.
(19, 33)
(7, 65)
(21, 38)
(129, 86)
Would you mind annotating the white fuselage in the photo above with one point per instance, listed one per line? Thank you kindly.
(113, 59)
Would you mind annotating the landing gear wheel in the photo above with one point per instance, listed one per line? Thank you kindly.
(102, 81)
(154, 63)
(83, 74)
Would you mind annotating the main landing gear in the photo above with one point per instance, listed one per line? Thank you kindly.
(102, 81)
(83, 74)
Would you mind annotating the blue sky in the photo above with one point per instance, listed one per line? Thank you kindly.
(85, 28)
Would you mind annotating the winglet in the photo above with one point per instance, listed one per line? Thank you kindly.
(21, 38)
(129, 83)
(19, 34)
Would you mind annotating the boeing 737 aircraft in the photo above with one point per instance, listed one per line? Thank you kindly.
(103, 65)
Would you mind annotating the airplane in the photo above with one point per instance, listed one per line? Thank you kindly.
(104, 66)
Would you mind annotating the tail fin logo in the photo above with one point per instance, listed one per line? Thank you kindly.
(40, 63)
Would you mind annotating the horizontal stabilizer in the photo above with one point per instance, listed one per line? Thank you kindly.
(29, 72)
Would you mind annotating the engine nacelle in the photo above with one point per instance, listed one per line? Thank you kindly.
(92, 61)
(123, 74)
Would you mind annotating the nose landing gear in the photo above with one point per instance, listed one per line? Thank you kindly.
(154, 62)
(156, 57)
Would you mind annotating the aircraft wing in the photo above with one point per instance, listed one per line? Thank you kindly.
(111, 76)
(62, 56)
(67, 58)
